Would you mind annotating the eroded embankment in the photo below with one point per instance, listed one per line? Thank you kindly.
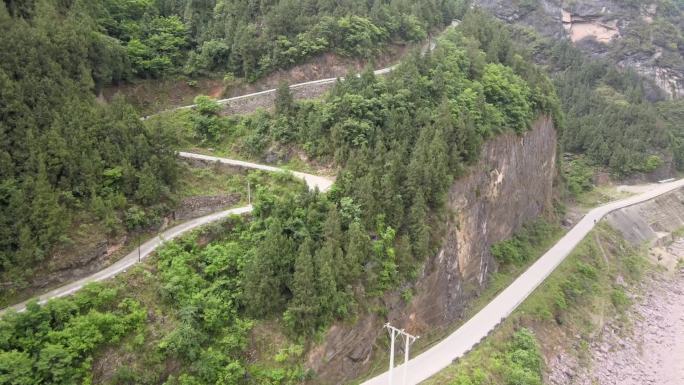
(646, 344)
(653, 221)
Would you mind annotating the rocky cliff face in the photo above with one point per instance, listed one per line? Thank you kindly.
(645, 36)
(510, 185)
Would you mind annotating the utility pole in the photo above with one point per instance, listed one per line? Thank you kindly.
(139, 259)
(408, 339)
(249, 193)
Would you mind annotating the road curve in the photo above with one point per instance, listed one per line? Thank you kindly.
(381, 71)
(313, 181)
(478, 327)
(429, 46)
(132, 258)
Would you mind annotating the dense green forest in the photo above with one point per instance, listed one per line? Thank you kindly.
(618, 119)
(303, 259)
(66, 160)
(610, 118)
(61, 153)
(161, 38)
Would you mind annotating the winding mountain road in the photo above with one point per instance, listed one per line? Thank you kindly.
(428, 46)
(443, 353)
(478, 327)
(381, 71)
(313, 181)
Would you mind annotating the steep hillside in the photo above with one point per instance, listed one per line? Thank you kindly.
(619, 108)
(247, 304)
(66, 161)
(645, 36)
(476, 217)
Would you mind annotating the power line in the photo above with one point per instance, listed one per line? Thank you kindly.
(408, 340)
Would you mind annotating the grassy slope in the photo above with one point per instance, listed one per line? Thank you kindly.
(566, 310)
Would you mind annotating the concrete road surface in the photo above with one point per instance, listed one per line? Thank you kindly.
(132, 258)
(462, 340)
(313, 181)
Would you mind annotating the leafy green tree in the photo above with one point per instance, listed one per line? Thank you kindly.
(205, 122)
(158, 49)
(510, 93)
(16, 368)
(284, 102)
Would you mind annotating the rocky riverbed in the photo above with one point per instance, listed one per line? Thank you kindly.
(649, 349)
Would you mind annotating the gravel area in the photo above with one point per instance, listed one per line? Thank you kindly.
(649, 351)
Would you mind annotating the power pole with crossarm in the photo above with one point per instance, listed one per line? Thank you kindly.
(408, 340)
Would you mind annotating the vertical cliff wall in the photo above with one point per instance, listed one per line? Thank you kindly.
(510, 185)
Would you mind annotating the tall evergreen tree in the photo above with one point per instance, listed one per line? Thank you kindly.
(304, 307)
(326, 282)
(268, 272)
(357, 253)
(284, 102)
(419, 229)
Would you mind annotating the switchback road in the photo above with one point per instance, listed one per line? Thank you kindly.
(478, 327)
(313, 181)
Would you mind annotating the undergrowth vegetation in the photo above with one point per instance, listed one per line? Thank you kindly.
(305, 260)
(589, 286)
(520, 249)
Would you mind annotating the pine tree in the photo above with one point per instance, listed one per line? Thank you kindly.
(419, 230)
(267, 273)
(47, 214)
(357, 253)
(332, 229)
(438, 164)
(303, 309)
(326, 284)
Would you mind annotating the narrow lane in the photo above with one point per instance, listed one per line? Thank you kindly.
(132, 258)
(313, 181)
(478, 327)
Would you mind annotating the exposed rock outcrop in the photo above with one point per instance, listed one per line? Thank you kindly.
(194, 207)
(510, 185)
(593, 25)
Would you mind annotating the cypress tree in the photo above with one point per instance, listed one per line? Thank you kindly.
(303, 309)
(284, 101)
(267, 273)
(326, 284)
(419, 230)
(357, 254)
